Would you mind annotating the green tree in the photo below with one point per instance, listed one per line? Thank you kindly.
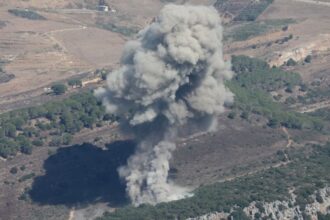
(25, 144)
(13, 170)
(75, 82)
(232, 115)
(59, 89)
(274, 123)
(10, 130)
(67, 138)
(2, 132)
(291, 62)
(245, 115)
(308, 59)
(18, 122)
(37, 142)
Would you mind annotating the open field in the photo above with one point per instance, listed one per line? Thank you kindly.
(310, 36)
(70, 41)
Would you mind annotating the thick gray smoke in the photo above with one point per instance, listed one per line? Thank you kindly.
(172, 75)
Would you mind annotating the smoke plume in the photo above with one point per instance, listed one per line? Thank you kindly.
(172, 75)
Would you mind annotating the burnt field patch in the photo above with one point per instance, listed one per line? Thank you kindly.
(83, 174)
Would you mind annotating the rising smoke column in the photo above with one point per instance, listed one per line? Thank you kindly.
(172, 75)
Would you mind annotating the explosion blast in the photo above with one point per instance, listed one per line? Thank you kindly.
(172, 75)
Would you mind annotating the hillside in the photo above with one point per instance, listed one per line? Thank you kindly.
(60, 150)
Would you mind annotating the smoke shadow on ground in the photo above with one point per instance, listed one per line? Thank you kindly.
(83, 174)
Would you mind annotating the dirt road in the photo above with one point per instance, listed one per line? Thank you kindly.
(71, 215)
(314, 2)
(314, 107)
(282, 163)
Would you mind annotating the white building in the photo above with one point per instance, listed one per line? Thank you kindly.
(103, 8)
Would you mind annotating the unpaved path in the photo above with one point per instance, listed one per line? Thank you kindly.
(50, 35)
(315, 2)
(71, 215)
(290, 141)
(282, 163)
(314, 107)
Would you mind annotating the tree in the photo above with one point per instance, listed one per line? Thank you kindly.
(55, 142)
(303, 87)
(245, 115)
(2, 132)
(273, 123)
(10, 130)
(13, 170)
(67, 138)
(37, 142)
(291, 62)
(18, 122)
(232, 115)
(25, 144)
(59, 89)
(75, 82)
(289, 88)
(308, 59)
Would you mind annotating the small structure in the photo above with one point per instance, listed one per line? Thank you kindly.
(104, 8)
(48, 90)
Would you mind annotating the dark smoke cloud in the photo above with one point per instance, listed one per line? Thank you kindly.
(171, 76)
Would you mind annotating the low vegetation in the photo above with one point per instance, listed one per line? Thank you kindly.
(4, 77)
(126, 31)
(26, 13)
(248, 30)
(242, 10)
(253, 10)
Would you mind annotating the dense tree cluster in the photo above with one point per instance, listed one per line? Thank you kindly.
(53, 123)
(254, 80)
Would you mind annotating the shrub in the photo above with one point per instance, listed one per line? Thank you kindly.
(13, 170)
(28, 14)
(37, 142)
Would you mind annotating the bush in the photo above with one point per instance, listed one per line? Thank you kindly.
(37, 142)
(26, 14)
(26, 149)
(26, 177)
(232, 115)
(55, 142)
(13, 170)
